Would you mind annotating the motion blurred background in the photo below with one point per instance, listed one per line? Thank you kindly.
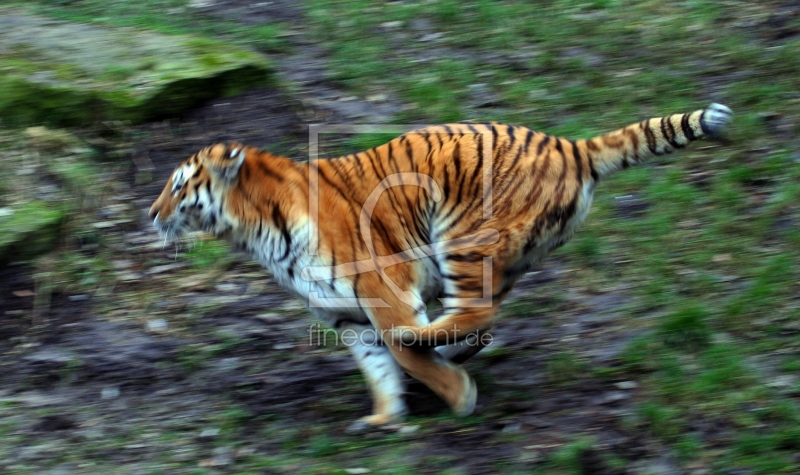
(663, 339)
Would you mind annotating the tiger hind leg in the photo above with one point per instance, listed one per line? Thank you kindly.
(471, 292)
(452, 328)
(449, 381)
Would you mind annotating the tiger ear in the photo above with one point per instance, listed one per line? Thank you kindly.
(223, 161)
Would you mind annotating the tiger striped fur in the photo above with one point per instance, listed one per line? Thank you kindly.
(369, 260)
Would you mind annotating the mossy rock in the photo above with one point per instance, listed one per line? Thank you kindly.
(52, 140)
(28, 230)
(63, 73)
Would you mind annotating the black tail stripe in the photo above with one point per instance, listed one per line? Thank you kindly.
(673, 142)
(664, 129)
(666, 125)
(687, 129)
(651, 138)
(703, 125)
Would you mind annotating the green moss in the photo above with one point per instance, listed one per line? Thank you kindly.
(135, 76)
(32, 228)
(686, 329)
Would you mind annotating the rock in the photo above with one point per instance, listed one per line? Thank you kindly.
(103, 224)
(431, 37)
(120, 264)
(164, 268)
(31, 229)
(49, 357)
(391, 25)
(228, 364)
(157, 325)
(223, 456)
(226, 288)
(38, 399)
(71, 73)
(408, 429)
(511, 428)
(130, 276)
(481, 96)
(589, 59)
(626, 385)
(630, 206)
(208, 434)
(420, 24)
(272, 317)
(109, 393)
(784, 381)
(50, 140)
(612, 397)
(199, 4)
(36, 452)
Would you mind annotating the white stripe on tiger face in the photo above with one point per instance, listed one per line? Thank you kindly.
(181, 176)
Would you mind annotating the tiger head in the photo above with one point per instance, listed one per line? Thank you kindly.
(194, 195)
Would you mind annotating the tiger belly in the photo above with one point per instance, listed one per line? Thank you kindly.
(553, 239)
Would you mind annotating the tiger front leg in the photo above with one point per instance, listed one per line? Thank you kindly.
(385, 379)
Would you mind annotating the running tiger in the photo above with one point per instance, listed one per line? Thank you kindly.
(457, 212)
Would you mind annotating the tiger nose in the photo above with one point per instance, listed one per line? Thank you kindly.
(153, 212)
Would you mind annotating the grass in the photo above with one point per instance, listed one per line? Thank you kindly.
(705, 256)
(710, 268)
(165, 16)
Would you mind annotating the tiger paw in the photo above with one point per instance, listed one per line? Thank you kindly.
(370, 423)
(466, 405)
